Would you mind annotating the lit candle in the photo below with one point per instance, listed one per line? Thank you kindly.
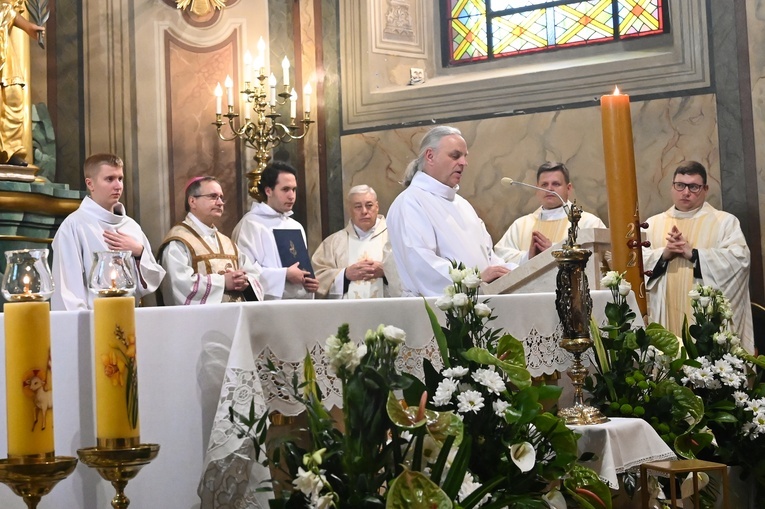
(286, 71)
(621, 184)
(230, 90)
(293, 104)
(307, 91)
(28, 380)
(218, 99)
(247, 67)
(117, 423)
(26, 282)
(272, 84)
(114, 279)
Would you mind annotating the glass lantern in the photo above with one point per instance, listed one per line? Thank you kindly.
(27, 276)
(111, 274)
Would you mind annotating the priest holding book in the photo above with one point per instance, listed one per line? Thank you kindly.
(269, 236)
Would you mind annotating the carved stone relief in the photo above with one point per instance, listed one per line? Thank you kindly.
(397, 27)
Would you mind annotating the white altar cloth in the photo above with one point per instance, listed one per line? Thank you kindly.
(192, 360)
(620, 445)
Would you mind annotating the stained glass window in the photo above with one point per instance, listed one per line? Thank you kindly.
(479, 30)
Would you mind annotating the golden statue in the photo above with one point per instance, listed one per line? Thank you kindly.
(12, 105)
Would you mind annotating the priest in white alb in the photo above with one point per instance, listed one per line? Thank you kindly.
(430, 225)
(99, 224)
(533, 233)
(356, 262)
(691, 243)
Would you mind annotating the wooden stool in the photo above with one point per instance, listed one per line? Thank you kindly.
(683, 467)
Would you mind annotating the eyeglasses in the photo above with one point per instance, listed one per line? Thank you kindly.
(694, 188)
(212, 196)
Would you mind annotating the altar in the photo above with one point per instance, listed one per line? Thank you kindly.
(196, 362)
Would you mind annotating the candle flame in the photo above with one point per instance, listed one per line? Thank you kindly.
(616, 90)
(114, 279)
(26, 282)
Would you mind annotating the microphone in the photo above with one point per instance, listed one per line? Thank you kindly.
(508, 182)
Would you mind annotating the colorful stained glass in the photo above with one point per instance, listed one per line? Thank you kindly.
(487, 29)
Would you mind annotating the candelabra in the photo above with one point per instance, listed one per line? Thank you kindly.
(261, 129)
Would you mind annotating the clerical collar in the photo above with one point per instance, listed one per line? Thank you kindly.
(427, 183)
(554, 214)
(684, 214)
(364, 234)
(102, 214)
(266, 210)
(206, 230)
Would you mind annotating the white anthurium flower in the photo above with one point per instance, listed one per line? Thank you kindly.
(460, 300)
(394, 334)
(444, 302)
(472, 281)
(625, 287)
(686, 489)
(524, 456)
(555, 499)
(482, 310)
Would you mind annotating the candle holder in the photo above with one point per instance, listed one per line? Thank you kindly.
(119, 466)
(262, 132)
(32, 481)
(112, 274)
(27, 277)
(574, 306)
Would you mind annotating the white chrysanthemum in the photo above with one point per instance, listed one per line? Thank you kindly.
(455, 372)
(500, 406)
(469, 485)
(444, 302)
(523, 455)
(460, 300)
(482, 310)
(755, 406)
(394, 334)
(489, 379)
(469, 401)
(444, 392)
(472, 281)
(740, 397)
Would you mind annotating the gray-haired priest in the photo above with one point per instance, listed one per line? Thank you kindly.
(357, 262)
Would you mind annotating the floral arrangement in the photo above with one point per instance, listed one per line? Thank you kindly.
(700, 392)
(121, 368)
(518, 453)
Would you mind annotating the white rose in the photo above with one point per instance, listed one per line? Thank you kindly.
(704, 301)
(611, 279)
(460, 300)
(694, 294)
(457, 275)
(624, 288)
(444, 302)
(394, 334)
(450, 291)
(472, 281)
(482, 310)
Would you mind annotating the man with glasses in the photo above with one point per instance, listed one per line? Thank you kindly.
(269, 236)
(357, 262)
(203, 265)
(533, 233)
(693, 242)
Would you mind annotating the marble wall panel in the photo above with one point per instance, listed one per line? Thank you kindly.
(756, 29)
(666, 132)
(194, 148)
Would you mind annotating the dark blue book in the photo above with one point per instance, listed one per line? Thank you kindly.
(292, 249)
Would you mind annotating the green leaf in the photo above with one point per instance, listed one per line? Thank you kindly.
(511, 350)
(600, 351)
(439, 335)
(413, 490)
(663, 339)
(584, 486)
(516, 373)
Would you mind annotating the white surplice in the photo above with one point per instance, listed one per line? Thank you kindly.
(254, 237)
(429, 224)
(79, 236)
(346, 247)
(724, 260)
(553, 224)
(183, 286)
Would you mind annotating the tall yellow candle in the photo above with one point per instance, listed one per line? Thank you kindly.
(621, 183)
(116, 372)
(28, 381)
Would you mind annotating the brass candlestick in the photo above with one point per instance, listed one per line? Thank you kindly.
(32, 481)
(119, 466)
(574, 306)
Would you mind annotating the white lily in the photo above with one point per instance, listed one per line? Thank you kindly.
(686, 489)
(555, 499)
(524, 456)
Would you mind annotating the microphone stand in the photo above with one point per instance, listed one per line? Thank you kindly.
(574, 306)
